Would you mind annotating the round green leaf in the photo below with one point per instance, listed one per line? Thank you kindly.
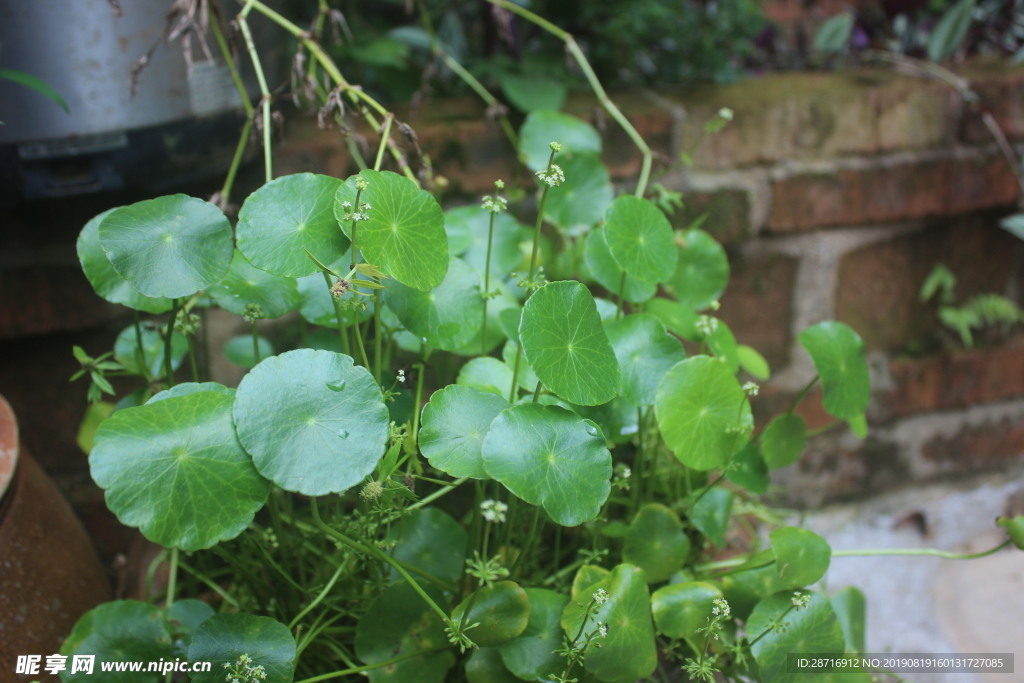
(549, 456)
(682, 608)
(542, 127)
(290, 215)
(801, 556)
(628, 652)
(169, 246)
(186, 388)
(487, 374)
(838, 354)
(566, 345)
(655, 542)
(677, 318)
(244, 285)
(501, 609)
(106, 281)
(399, 622)
(467, 227)
(721, 342)
(753, 362)
(702, 271)
(710, 514)
(239, 350)
(431, 541)
(119, 631)
(703, 413)
(640, 238)
(850, 607)
(445, 317)
(783, 440)
(745, 589)
(749, 470)
(608, 274)
(532, 654)
(580, 201)
(329, 433)
(454, 423)
(175, 470)
(530, 93)
(227, 639)
(185, 616)
(808, 631)
(586, 579)
(126, 349)
(645, 352)
(485, 666)
(404, 235)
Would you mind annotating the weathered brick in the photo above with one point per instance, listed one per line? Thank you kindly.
(879, 284)
(728, 211)
(772, 401)
(1000, 91)
(831, 471)
(814, 116)
(758, 304)
(953, 381)
(887, 193)
(977, 447)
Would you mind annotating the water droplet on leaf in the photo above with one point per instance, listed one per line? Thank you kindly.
(343, 433)
(336, 386)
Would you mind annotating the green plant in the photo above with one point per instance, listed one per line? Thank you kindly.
(981, 312)
(465, 461)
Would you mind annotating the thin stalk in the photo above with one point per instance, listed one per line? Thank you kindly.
(236, 161)
(320, 598)
(595, 85)
(192, 359)
(930, 552)
(370, 667)
(384, 137)
(530, 540)
(168, 359)
(376, 554)
(209, 583)
(427, 500)
(243, 140)
(337, 313)
(621, 294)
(417, 404)
(487, 283)
(801, 395)
(378, 335)
(140, 356)
(255, 343)
(536, 392)
(172, 578)
(257, 66)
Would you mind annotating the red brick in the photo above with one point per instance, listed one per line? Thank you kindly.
(952, 381)
(758, 304)
(886, 194)
(772, 402)
(977, 447)
(879, 284)
(1000, 90)
(728, 211)
(830, 472)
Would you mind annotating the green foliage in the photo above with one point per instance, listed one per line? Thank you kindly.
(389, 495)
(982, 312)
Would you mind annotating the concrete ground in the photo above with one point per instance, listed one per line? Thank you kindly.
(929, 604)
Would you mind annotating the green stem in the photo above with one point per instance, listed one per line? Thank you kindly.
(140, 355)
(320, 598)
(337, 312)
(243, 140)
(595, 85)
(536, 392)
(378, 334)
(417, 403)
(192, 359)
(236, 162)
(255, 343)
(210, 583)
(257, 66)
(370, 667)
(376, 554)
(168, 357)
(487, 283)
(384, 137)
(447, 488)
(930, 552)
(172, 578)
(801, 395)
(621, 293)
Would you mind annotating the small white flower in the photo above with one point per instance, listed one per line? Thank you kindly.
(493, 510)
(553, 176)
(600, 596)
(721, 608)
(401, 377)
(706, 325)
(751, 389)
(361, 183)
(800, 600)
(725, 113)
(602, 630)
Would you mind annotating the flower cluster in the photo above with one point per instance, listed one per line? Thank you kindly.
(600, 596)
(751, 389)
(362, 215)
(800, 600)
(552, 176)
(186, 323)
(720, 608)
(493, 510)
(706, 325)
(252, 313)
(245, 671)
(339, 288)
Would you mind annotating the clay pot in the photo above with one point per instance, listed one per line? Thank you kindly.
(49, 572)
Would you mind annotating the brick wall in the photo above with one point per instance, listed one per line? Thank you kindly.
(835, 194)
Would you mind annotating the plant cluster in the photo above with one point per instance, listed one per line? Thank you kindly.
(486, 453)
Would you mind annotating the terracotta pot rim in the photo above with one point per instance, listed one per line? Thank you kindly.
(8, 445)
